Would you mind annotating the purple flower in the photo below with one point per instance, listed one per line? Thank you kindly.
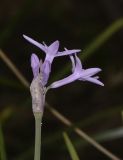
(78, 74)
(44, 69)
(41, 71)
(52, 50)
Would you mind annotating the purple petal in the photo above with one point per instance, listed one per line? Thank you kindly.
(73, 63)
(68, 52)
(35, 64)
(46, 69)
(34, 60)
(53, 48)
(93, 80)
(39, 45)
(78, 67)
(64, 81)
(89, 72)
(84, 79)
(52, 51)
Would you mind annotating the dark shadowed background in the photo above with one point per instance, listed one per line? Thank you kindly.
(96, 110)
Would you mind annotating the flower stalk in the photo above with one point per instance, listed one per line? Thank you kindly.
(38, 122)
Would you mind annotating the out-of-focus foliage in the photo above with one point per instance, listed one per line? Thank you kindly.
(96, 27)
(2, 145)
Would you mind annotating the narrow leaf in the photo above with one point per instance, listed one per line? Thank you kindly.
(70, 147)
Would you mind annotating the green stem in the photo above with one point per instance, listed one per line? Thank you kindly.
(38, 120)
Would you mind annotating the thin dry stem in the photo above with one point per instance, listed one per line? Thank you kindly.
(58, 115)
(14, 69)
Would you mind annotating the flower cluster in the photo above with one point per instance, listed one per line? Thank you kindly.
(41, 71)
(51, 51)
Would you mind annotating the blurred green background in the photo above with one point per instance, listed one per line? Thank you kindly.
(96, 27)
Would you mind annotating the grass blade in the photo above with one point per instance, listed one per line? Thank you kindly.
(70, 147)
